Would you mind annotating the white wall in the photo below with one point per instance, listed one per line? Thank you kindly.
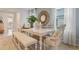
(16, 21)
(23, 17)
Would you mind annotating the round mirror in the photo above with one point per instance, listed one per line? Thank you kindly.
(43, 17)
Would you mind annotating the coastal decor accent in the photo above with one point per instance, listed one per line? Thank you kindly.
(43, 17)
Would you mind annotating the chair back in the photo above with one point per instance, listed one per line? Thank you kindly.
(56, 37)
(61, 28)
(54, 40)
(56, 34)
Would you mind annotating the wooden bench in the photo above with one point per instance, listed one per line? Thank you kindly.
(22, 41)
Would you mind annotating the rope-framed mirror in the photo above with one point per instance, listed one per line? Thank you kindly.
(43, 17)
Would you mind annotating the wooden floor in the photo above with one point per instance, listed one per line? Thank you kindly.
(67, 47)
(6, 43)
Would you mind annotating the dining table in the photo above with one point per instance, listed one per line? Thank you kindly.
(39, 32)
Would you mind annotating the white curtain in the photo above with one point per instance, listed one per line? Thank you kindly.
(70, 30)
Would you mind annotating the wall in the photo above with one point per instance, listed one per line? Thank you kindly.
(16, 21)
(23, 17)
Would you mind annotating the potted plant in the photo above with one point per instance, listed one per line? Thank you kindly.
(31, 20)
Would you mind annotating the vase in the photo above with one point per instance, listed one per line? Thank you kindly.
(31, 25)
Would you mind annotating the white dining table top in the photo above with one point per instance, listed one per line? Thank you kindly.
(40, 31)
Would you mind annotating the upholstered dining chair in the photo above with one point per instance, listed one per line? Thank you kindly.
(61, 28)
(53, 41)
(56, 37)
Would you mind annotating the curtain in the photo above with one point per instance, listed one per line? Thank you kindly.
(70, 30)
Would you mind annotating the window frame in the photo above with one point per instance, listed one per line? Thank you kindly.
(56, 22)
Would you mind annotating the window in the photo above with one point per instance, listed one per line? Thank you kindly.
(59, 16)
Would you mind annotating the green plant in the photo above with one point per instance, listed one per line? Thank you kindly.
(31, 20)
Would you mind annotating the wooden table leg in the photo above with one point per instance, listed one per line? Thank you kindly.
(44, 44)
(40, 42)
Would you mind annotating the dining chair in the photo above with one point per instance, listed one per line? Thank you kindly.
(61, 28)
(53, 41)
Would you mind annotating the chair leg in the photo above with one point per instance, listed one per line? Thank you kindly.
(35, 46)
(44, 45)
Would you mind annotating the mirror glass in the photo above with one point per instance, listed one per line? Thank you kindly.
(43, 17)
